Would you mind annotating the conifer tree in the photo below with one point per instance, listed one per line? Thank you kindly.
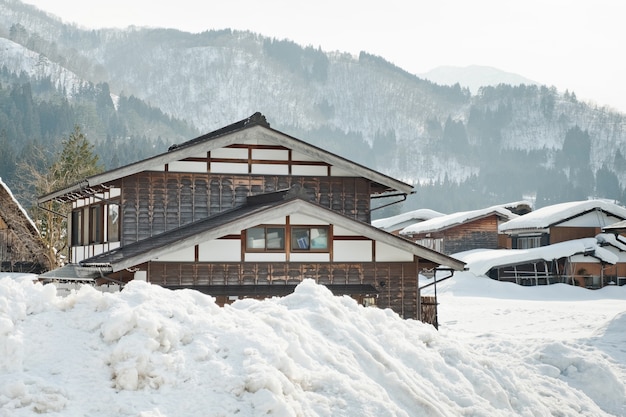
(72, 164)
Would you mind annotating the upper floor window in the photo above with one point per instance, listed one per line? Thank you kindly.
(261, 238)
(309, 238)
(275, 238)
(97, 223)
(527, 242)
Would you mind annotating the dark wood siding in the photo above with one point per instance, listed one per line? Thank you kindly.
(396, 282)
(563, 234)
(154, 202)
(476, 234)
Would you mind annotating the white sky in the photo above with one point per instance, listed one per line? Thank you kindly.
(572, 44)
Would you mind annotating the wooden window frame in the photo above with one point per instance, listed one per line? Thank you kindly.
(288, 246)
(265, 248)
(309, 249)
(108, 222)
(96, 224)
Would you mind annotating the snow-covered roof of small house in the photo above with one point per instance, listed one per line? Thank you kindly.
(480, 261)
(617, 227)
(454, 219)
(558, 213)
(389, 223)
(609, 239)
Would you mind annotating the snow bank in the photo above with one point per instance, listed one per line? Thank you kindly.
(148, 351)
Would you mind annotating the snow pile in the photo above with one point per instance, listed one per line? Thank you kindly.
(151, 352)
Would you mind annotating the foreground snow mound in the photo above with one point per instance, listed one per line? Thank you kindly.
(152, 352)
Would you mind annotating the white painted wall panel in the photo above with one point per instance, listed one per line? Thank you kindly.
(187, 166)
(296, 156)
(338, 172)
(386, 253)
(297, 218)
(224, 250)
(232, 153)
(309, 257)
(271, 154)
(340, 231)
(352, 251)
(229, 168)
(265, 257)
(270, 169)
(309, 170)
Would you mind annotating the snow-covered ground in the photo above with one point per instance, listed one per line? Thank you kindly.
(502, 350)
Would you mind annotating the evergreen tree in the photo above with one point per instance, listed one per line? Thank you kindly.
(72, 164)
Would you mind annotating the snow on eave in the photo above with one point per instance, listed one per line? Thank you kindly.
(610, 239)
(19, 207)
(419, 214)
(450, 220)
(550, 215)
(481, 261)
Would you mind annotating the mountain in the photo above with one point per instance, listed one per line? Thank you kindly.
(461, 150)
(474, 77)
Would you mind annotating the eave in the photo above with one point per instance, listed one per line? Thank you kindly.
(233, 221)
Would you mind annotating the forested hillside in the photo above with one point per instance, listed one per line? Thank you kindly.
(461, 150)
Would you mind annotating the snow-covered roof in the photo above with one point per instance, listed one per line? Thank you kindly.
(419, 214)
(558, 213)
(611, 239)
(13, 201)
(449, 220)
(480, 261)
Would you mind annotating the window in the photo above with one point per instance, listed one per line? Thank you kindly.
(309, 238)
(88, 224)
(301, 238)
(528, 242)
(77, 227)
(265, 238)
(113, 223)
(95, 224)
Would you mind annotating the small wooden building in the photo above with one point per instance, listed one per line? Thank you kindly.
(462, 231)
(21, 246)
(562, 222)
(245, 211)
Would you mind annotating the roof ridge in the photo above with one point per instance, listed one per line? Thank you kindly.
(256, 119)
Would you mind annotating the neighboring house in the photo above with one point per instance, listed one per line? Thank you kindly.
(566, 225)
(614, 240)
(558, 263)
(396, 223)
(244, 211)
(562, 222)
(462, 231)
(21, 247)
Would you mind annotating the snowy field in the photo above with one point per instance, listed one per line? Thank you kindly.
(502, 350)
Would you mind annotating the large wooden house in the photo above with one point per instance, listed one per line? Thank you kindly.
(21, 246)
(244, 211)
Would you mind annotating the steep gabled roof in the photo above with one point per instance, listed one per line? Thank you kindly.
(556, 214)
(235, 220)
(254, 127)
(451, 220)
(23, 228)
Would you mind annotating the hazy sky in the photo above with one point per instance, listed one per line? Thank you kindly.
(572, 44)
